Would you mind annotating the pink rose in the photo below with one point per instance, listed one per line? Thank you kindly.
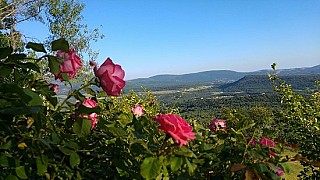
(54, 87)
(252, 141)
(89, 103)
(70, 65)
(267, 142)
(138, 110)
(271, 153)
(217, 124)
(177, 127)
(94, 119)
(280, 172)
(111, 77)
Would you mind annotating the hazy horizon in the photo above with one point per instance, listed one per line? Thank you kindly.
(225, 70)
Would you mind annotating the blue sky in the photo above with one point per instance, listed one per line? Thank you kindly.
(148, 37)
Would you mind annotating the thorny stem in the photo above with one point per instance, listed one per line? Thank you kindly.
(164, 144)
(247, 145)
(72, 94)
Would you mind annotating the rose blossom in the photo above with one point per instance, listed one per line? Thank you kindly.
(54, 87)
(267, 142)
(217, 124)
(138, 110)
(280, 172)
(177, 127)
(271, 153)
(70, 65)
(94, 119)
(111, 77)
(89, 103)
(252, 141)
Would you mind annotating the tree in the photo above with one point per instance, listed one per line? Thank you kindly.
(63, 18)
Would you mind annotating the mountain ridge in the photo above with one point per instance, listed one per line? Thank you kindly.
(207, 78)
(226, 74)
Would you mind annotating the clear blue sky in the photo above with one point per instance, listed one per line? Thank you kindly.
(149, 37)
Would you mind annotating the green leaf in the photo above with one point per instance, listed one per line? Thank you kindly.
(60, 44)
(184, 151)
(35, 99)
(124, 119)
(11, 177)
(42, 165)
(263, 168)
(74, 159)
(7, 145)
(54, 65)
(90, 91)
(82, 127)
(55, 138)
(5, 52)
(4, 162)
(191, 166)
(21, 173)
(66, 151)
(65, 76)
(79, 96)
(6, 70)
(150, 168)
(15, 57)
(29, 65)
(85, 110)
(36, 47)
(176, 163)
(53, 100)
(8, 161)
(285, 167)
(117, 132)
(272, 167)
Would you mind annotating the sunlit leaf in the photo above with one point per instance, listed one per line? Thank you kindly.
(21, 173)
(42, 165)
(176, 163)
(150, 167)
(124, 119)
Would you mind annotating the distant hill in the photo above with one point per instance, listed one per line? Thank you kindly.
(161, 82)
(261, 83)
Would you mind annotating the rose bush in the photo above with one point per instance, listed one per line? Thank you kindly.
(91, 134)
